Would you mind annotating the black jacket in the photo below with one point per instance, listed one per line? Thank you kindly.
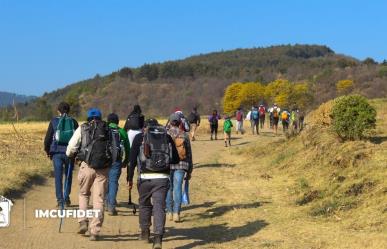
(135, 150)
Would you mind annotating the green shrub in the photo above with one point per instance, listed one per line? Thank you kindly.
(352, 117)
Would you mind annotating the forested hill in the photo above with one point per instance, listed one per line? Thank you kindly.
(201, 80)
(7, 98)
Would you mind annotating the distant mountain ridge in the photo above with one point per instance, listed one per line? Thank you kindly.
(7, 98)
(200, 80)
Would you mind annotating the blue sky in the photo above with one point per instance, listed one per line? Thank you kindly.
(45, 45)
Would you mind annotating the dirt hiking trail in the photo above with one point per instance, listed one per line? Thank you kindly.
(120, 231)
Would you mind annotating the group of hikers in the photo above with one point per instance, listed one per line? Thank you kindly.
(161, 153)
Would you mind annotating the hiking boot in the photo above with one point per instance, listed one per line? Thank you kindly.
(211, 138)
(169, 216)
(229, 143)
(216, 138)
(176, 217)
(157, 241)
(193, 139)
(59, 205)
(225, 144)
(67, 203)
(83, 227)
(144, 235)
(113, 212)
(94, 237)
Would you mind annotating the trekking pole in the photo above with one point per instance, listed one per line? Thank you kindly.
(65, 191)
(131, 203)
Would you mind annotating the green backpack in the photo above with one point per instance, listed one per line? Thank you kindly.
(64, 130)
(227, 126)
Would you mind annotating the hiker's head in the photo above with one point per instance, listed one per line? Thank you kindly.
(214, 112)
(94, 114)
(195, 109)
(113, 118)
(63, 108)
(137, 109)
(151, 122)
(174, 119)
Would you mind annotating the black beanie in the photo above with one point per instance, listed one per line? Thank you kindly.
(113, 118)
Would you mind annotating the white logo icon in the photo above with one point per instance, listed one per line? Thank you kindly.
(5, 211)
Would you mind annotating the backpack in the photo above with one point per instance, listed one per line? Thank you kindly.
(135, 121)
(239, 116)
(213, 120)
(181, 146)
(262, 111)
(193, 118)
(227, 126)
(95, 145)
(155, 151)
(116, 147)
(275, 113)
(254, 114)
(64, 130)
(284, 116)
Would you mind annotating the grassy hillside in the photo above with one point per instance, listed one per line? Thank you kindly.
(201, 80)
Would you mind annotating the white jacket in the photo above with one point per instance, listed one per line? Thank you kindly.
(74, 143)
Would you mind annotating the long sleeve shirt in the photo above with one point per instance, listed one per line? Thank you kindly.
(49, 138)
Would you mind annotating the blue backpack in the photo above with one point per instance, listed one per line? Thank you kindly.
(254, 114)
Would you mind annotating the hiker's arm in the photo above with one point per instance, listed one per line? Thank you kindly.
(48, 138)
(134, 151)
(76, 125)
(125, 139)
(175, 154)
(74, 143)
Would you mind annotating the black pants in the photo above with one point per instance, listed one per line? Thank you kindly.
(153, 194)
(214, 130)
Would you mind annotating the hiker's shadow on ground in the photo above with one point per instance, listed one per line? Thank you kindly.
(221, 210)
(378, 139)
(214, 165)
(220, 233)
(117, 238)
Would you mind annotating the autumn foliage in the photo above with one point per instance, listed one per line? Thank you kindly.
(281, 91)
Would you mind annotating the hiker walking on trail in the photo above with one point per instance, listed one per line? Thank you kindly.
(301, 120)
(227, 127)
(274, 112)
(134, 123)
(255, 120)
(239, 121)
(90, 143)
(58, 135)
(213, 119)
(180, 171)
(152, 152)
(285, 119)
(194, 121)
(294, 119)
(120, 158)
(184, 125)
(262, 114)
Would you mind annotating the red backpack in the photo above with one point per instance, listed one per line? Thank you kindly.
(262, 111)
(239, 116)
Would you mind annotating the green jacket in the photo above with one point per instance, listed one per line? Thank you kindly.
(124, 140)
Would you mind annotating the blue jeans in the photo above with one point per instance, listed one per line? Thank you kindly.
(175, 191)
(114, 176)
(62, 166)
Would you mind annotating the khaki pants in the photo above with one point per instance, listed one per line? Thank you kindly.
(92, 182)
(193, 130)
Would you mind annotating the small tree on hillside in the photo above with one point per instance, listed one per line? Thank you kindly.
(344, 86)
(231, 99)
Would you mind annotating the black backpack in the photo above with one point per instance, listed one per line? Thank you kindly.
(115, 144)
(155, 151)
(135, 121)
(95, 145)
(193, 118)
